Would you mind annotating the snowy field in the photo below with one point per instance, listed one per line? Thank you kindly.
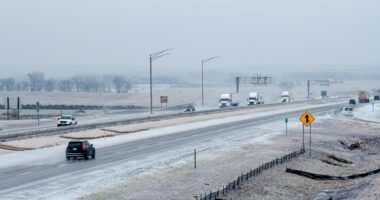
(178, 95)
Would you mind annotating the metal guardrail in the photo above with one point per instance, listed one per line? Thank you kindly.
(82, 127)
(219, 193)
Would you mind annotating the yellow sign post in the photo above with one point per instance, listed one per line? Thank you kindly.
(306, 120)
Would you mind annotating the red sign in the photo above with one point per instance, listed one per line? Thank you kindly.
(164, 99)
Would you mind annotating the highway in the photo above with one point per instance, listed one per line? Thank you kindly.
(33, 177)
(96, 122)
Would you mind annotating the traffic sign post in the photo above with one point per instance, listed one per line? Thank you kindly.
(306, 119)
(310, 141)
(286, 126)
(303, 138)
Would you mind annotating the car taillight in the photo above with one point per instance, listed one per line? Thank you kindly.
(83, 147)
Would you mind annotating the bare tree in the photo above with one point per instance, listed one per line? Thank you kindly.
(36, 80)
(65, 85)
(9, 84)
(127, 86)
(119, 83)
(50, 85)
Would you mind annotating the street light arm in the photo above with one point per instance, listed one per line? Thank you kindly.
(161, 52)
(208, 59)
(159, 56)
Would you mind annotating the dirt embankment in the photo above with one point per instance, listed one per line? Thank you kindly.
(340, 169)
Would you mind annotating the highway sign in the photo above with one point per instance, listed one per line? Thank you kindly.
(306, 118)
(164, 99)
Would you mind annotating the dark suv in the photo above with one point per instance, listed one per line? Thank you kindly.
(352, 102)
(81, 149)
(189, 108)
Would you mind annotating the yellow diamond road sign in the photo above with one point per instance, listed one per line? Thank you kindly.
(307, 118)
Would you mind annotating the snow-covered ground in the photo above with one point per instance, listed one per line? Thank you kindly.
(368, 112)
(53, 154)
(65, 187)
(178, 95)
(125, 172)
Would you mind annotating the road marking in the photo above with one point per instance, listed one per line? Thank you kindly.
(62, 165)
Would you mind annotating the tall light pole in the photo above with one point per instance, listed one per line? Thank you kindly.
(203, 62)
(153, 57)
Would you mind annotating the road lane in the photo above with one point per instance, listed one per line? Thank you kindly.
(14, 178)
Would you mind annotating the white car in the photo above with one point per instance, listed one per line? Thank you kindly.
(347, 111)
(65, 120)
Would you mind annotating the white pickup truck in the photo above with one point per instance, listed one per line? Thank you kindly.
(65, 120)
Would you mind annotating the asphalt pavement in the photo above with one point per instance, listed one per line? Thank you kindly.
(29, 176)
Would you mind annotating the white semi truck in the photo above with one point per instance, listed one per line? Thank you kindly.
(255, 98)
(229, 100)
(285, 97)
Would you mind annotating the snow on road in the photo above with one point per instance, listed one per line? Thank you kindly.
(108, 176)
(54, 154)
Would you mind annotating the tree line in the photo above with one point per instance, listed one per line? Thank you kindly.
(37, 82)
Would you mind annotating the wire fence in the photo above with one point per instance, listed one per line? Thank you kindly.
(222, 192)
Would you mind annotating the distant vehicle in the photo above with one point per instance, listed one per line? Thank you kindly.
(363, 97)
(323, 94)
(376, 98)
(229, 100)
(352, 102)
(255, 98)
(81, 149)
(189, 108)
(347, 111)
(65, 120)
(285, 97)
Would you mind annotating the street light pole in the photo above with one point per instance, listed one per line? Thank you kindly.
(203, 62)
(153, 57)
(202, 86)
(150, 84)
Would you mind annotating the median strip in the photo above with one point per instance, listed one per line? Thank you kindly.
(14, 148)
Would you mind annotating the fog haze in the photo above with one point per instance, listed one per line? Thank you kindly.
(92, 36)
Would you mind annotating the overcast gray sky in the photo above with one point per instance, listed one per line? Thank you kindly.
(117, 36)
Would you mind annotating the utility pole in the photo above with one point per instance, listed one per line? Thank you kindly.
(38, 112)
(153, 57)
(8, 107)
(18, 108)
(237, 80)
(203, 62)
